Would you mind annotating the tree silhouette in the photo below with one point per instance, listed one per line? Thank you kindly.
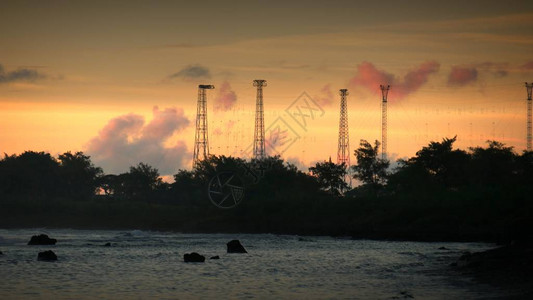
(443, 164)
(525, 167)
(370, 169)
(139, 183)
(79, 175)
(30, 173)
(494, 164)
(330, 176)
(108, 183)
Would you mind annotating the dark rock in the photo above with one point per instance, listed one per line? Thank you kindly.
(443, 248)
(42, 239)
(193, 257)
(47, 256)
(107, 245)
(235, 246)
(215, 257)
(1, 253)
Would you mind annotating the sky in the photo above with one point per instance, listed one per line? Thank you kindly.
(118, 79)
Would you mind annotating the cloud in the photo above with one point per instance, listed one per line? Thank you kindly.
(369, 77)
(226, 98)
(164, 123)
(497, 69)
(461, 76)
(416, 78)
(192, 72)
(126, 140)
(325, 98)
(22, 74)
(527, 66)
(298, 163)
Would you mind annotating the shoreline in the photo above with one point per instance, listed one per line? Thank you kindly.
(507, 267)
(377, 236)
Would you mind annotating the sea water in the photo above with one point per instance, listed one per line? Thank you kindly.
(149, 265)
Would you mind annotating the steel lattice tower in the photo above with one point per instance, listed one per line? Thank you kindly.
(201, 138)
(384, 94)
(259, 132)
(529, 87)
(343, 150)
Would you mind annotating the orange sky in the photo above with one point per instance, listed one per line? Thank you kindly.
(87, 75)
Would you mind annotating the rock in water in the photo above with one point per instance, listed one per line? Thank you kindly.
(215, 257)
(47, 256)
(1, 253)
(235, 247)
(42, 239)
(193, 257)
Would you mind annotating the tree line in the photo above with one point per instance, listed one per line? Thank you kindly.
(436, 166)
(444, 193)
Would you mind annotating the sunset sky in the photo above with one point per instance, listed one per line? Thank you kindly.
(118, 79)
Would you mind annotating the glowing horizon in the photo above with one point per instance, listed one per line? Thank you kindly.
(66, 87)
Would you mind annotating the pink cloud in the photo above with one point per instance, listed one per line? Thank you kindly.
(125, 141)
(325, 98)
(369, 77)
(226, 97)
(416, 78)
(164, 123)
(461, 76)
(527, 66)
(119, 128)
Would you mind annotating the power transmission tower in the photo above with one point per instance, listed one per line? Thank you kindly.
(384, 94)
(259, 132)
(529, 87)
(201, 138)
(343, 150)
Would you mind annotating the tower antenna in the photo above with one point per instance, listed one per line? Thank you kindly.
(384, 94)
(201, 138)
(343, 150)
(529, 86)
(259, 132)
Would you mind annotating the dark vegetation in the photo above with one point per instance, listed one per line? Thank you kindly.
(441, 193)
